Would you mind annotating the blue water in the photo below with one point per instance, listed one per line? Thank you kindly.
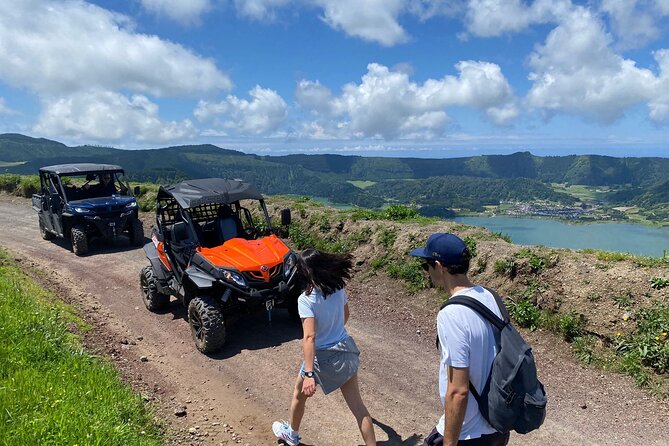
(619, 237)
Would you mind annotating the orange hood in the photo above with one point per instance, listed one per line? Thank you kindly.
(247, 255)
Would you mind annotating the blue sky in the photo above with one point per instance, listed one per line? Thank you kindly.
(426, 78)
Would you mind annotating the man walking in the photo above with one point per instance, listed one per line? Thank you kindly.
(467, 346)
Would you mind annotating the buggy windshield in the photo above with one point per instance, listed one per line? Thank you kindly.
(82, 186)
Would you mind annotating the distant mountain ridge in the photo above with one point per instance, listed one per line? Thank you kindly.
(465, 181)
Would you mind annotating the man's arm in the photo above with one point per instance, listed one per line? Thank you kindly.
(455, 403)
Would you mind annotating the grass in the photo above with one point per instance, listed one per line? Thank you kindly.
(362, 184)
(51, 391)
(643, 261)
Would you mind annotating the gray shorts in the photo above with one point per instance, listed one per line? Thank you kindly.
(335, 365)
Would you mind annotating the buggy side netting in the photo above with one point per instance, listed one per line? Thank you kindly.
(170, 211)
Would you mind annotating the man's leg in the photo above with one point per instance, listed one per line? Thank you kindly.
(496, 439)
(434, 439)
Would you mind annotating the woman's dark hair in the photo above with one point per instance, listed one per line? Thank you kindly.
(323, 270)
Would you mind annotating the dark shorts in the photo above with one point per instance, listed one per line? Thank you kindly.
(496, 439)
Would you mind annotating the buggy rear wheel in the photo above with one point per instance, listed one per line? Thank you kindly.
(46, 235)
(153, 299)
(136, 232)
(79, 240)
(206, 324)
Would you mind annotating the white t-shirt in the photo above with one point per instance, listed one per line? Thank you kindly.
(467, 340)
(328, 314)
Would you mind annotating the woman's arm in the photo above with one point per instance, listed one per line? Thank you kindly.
(346, 313)
(309, 351)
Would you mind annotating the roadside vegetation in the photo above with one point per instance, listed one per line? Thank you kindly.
(51, 390)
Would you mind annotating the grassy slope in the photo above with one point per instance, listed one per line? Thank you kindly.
(51, 391)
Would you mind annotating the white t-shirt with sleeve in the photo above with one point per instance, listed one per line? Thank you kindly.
(466, 339)
(328, 314)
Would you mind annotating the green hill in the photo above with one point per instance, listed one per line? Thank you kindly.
(470, 182)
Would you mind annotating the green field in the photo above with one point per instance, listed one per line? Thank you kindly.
(583, 193)
(11, 164)
(362, 184)
(51, 391)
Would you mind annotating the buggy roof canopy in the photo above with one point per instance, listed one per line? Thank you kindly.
(193, 193)
(79, 168)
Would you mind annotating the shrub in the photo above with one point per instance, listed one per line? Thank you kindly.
(524, 312)
(572, 326)
(471, 245)
(387, 237)
(398, 212)
(411, 271)
(624, 299)
(506, 267)
(658, 282)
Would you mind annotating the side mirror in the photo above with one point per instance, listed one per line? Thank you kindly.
(285, 217)
(135, 191)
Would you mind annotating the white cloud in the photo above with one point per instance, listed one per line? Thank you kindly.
(387, 104)
(64, 47)
(108, 116)
(263, 114)
(576, 71)
(262, 10)
(488, 18)
(184, 12)
(314, 96)
(631, 21)
(659, 103)
(372, 20)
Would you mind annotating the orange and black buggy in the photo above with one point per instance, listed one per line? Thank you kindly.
(209, 252)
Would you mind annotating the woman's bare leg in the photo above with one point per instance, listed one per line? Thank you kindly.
(297, 405)
(352, 396)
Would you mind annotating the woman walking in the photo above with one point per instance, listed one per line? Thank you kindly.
(331, 357)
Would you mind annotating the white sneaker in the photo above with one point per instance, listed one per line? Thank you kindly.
(284, 432)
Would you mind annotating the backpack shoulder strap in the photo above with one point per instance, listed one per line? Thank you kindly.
(479, 308)
(500, 304)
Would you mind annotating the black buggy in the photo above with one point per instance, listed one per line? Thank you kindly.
(210, 252)
(82, 201)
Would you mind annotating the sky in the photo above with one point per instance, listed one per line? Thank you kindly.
(410, 78)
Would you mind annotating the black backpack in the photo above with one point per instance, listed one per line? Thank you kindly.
(513, 398)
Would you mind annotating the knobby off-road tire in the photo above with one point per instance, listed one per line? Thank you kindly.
(206, 324)
(136, 232)
(46, 235)
(153, 299)
(79, 241)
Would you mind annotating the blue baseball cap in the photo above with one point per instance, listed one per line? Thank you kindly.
(448, 249)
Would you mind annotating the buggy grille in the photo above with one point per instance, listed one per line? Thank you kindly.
(255, 278)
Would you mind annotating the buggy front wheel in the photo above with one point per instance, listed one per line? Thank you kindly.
(207, 324)
(79, 240)
(153, 299)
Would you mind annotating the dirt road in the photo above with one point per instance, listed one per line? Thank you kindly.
(246, 387)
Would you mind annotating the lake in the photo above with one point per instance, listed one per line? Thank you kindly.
(619, 237)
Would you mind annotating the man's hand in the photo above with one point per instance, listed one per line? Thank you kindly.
(309, 386)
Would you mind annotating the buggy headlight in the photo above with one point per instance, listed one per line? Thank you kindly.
(80, 210)
(289, 264)
(233, 277)
(131, 205)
